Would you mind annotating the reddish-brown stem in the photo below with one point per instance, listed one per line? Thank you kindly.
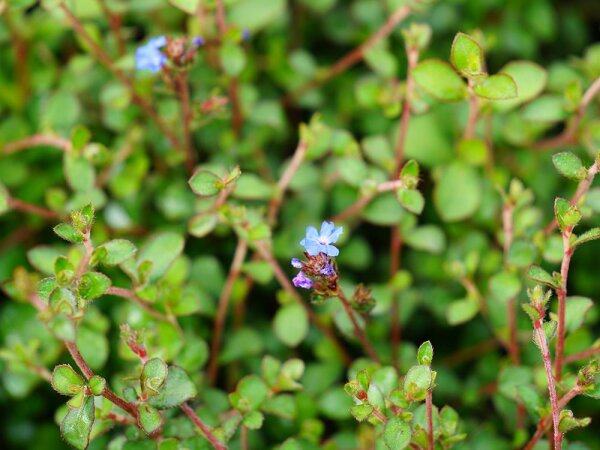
(473, 113)
(88, 249)
(544, 423)
(37, 140)
(285, 283)
(107, 393)
(395, 237)
(234, 270)
(364, 200)
(429, 409)
(114, 21)
(22, 206)
(581, 355)
(582, 190)
(210, 437)
(186, 116)
(106, 60)
(561, 293)
(19, 45)
(359, 332)
(130, 295)
(285, 181)
(377, 413)
(353, 56)
(541, 339)
(569, 135)
(244, 438)
(220, 17)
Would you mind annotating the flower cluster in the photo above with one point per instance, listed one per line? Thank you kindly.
(158, 50)
(318, 271)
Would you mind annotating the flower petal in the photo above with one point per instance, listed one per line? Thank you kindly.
(335, 234)
(326, 229)
(312, 233)
(296, 263)
(331, 250)
(313, 248)
(157, 42)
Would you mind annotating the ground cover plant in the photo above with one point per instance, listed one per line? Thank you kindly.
(299, 224)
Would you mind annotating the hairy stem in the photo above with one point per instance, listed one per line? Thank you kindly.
(234, 270)
(353, 56)
(210, 437)
(36, 140)
(541, 338)
(429, 407)
(186, 115)
(359, 332)
(473, 113)
(561, 293)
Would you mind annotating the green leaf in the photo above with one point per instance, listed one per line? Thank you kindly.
(505, 285)
(457, 193)
(282, 405)
(188, 6)
(252, 187)
(161, 250)
(93, 285)
(253, 420)
(42, 258)
(63, 301)
(536, 273)
(429, 238)
(203, 224)
(397, 434)
(567, 216)
(531, 399)
(251, 392)
(417, 381)
(150, 419)
(439, 79)
(411, 199)
(449, 420)
(80, 136)
(576, 310)
(79, 172)
(66, 381)
(425, 353)
(569, 165)
(178, 388)
(545, 109)
(76, 427)
(68, 233)
(352, 170)
(467, 56)
(461, 311)
(361, 412)
(233, 58)
(291, 324)
(153, 376)
(532, 312)
(473, 151)
(383, 210)
(530, 79)
(589, 235)
(97, 384)
(206, 183)
(256, 14)
(496, 87)
(117, 251)
(568, 422)
(4, 197)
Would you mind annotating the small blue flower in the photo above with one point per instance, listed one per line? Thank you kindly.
(302, 281)
(328, 270)
(320, 242)
(198, 41)
(149, 57)
(296, 263)
(246, 34)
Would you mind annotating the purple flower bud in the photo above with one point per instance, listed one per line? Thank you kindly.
(328, 270)
(296, 263)
(302, 281)
(246, 34)
(198, 41)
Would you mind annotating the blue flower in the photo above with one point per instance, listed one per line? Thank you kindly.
(296, 263)
(149, 57)
(328, 270)
(198, 41)
(301, 280)
(320, 242)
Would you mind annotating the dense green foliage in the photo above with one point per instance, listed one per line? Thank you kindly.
(154, 190)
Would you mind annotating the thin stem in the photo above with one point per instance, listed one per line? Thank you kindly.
(507, 226)
(585, 354)
(359, 332)
(412, 54)
(114, 21)
(544, 423)
(87, 255)
(234, 270)
(353, 56)
(210, 437)
(186, 115)
(582, 190)
(106, 60)
(37, 140)
(473, 113)
(30, 208)
(541, 338)
(569, 135)
(429, 407)
(285, 181)
(220, 17)
(130, 295)
(244, 438)
(377, 413)
(364, 200)
(561, 293)
(285, 283)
